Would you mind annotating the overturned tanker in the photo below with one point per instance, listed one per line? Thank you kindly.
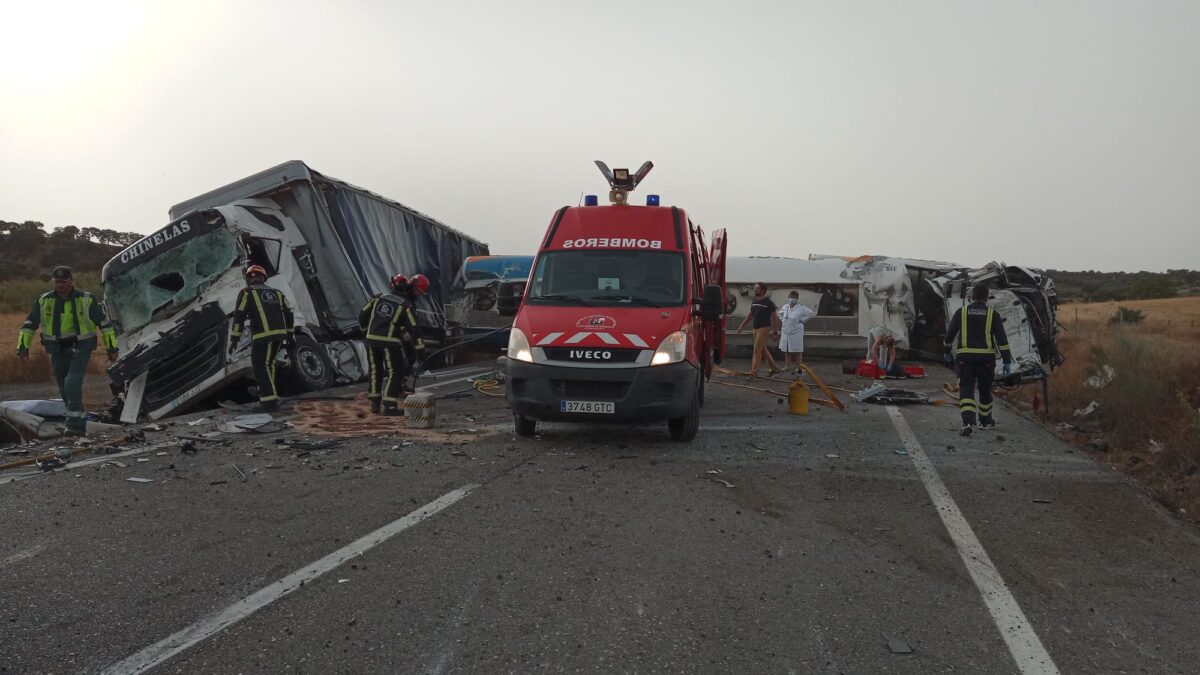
(326, 244)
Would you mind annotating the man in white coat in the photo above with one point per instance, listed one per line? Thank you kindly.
(793, 316)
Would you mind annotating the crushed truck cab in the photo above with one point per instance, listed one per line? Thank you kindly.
(621, 319)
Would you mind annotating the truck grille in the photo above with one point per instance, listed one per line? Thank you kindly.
(185, 368)
(588, 390)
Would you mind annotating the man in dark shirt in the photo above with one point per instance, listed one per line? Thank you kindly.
(763, 313)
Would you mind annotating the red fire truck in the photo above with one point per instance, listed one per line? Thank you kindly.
(622, 317)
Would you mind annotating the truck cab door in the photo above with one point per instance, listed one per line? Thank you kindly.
(716, 275)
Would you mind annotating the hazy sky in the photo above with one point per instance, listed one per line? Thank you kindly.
(1052, 134)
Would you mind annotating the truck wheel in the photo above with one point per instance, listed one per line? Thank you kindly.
(525, 426)
(685, 428)
(311, 369)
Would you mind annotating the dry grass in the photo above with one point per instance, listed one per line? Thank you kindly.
(1148, 414)
(37, 368)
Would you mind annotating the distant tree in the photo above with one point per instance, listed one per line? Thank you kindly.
(1150, 287)
(90, 234)
(69, 232)
(127, 238)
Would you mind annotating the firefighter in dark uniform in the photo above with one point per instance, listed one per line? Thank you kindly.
(976, 333)
(388, 322)
(69, 318)
(414, 349)
(271, 327)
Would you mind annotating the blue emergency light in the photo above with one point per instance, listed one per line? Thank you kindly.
(590, 200)
(651, 200)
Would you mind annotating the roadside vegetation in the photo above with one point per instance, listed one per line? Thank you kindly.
(1139, 362)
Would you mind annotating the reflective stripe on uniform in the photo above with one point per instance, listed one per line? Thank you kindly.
(272, 352)
(391, 373)
(372, 392)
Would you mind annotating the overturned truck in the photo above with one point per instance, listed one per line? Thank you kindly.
(326, 244)
(912, 298)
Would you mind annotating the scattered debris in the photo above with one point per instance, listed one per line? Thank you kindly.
(1098, 444)
(1042, 500)
(189, 448)
(135, 436)
(235, 468)
(1064, 426)
(1088, 410)
(196, 423)
(135, 479)
(832, 455)
(120, 465)
(51, 463)
(155, 427)
(1101, 378)
(866, 393)
(1155, 447)
(898, 646)
(303, 444)
(904, 451)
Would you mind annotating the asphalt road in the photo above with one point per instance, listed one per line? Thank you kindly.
(773, 543)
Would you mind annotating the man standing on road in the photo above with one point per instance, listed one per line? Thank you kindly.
(271, 325)
(976, 333)
(69, 318)
(763, 313)
(385, 319)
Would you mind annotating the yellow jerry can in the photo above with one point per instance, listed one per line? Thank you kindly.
(798, 398)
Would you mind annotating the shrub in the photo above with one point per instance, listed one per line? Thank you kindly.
(1127, 315)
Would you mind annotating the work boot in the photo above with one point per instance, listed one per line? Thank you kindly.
(375, 407)
(391, 411)
(966, 430)
(987, 424)
(773, 372)
(71, 431)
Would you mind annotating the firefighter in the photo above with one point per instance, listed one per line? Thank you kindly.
(69, 318)
(976, 333)
(387, 322)
(271, 327)
(414, 347)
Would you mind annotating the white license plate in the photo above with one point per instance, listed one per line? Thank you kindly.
(602, 407)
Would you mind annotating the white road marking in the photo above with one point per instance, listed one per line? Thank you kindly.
(205, 628)
(1018, 634)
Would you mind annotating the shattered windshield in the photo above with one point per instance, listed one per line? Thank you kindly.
(169, 280)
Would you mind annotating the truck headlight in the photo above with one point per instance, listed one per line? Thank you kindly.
(518, 346)
(673, 349)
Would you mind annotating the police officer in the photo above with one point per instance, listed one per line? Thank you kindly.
(387, 320)
(68, 318)
(271, 326)
(976, 333)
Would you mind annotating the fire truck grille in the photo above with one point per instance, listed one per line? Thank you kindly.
(590, 391)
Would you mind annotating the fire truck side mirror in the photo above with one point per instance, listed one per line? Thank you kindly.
(507, 299)
(712, 306)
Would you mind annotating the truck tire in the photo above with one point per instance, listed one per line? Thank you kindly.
(524, 426)
(685, 428)
(311, 369)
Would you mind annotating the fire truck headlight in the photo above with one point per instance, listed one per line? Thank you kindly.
(518, 346)
(673, 349)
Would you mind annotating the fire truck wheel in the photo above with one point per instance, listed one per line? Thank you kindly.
(525, 426)
(685, 428)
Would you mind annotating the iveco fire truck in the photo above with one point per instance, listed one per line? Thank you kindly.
(622, 317)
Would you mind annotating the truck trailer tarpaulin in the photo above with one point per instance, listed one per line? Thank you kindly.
(325, 243)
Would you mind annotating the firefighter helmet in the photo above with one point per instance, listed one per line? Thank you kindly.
(256, 269)
(399, 280)
(420, 284)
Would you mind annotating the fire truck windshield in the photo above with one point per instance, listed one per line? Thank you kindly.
(609, 278)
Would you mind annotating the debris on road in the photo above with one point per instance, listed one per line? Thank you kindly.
(1088, 410)
(904, 451)
(259, 423)
(878, 393)
(135, 479)
(898, 646)
(1042, 500)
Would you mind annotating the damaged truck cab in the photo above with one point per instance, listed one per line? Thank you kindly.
(326, 244)
(622, 317)
(172, 292)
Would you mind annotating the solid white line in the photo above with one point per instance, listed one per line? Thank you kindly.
(1018, 634)
(205, 628)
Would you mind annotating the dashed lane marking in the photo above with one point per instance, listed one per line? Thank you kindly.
(1018, 634)
(209, 626)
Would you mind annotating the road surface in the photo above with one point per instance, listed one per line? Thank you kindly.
(773, 543)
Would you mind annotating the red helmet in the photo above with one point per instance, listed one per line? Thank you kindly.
(420, 284)
(399, 280)
(256, 269)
